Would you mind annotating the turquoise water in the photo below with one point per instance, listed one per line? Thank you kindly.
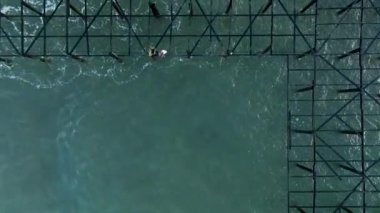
(177, 135)
(206, 134)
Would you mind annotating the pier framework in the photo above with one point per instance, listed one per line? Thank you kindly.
(125, 28)
(334, 113)
(333, 60)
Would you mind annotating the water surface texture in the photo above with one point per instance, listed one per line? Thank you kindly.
(202, 135)
(179, 135)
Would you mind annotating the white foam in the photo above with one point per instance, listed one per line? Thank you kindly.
(7, 9)
(50, 6)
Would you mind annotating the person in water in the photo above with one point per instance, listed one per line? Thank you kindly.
(162, 53)
(153, 52)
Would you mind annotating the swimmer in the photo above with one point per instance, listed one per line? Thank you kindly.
(153, 53)
(163, 53)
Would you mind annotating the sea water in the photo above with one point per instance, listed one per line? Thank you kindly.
(179, 135)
